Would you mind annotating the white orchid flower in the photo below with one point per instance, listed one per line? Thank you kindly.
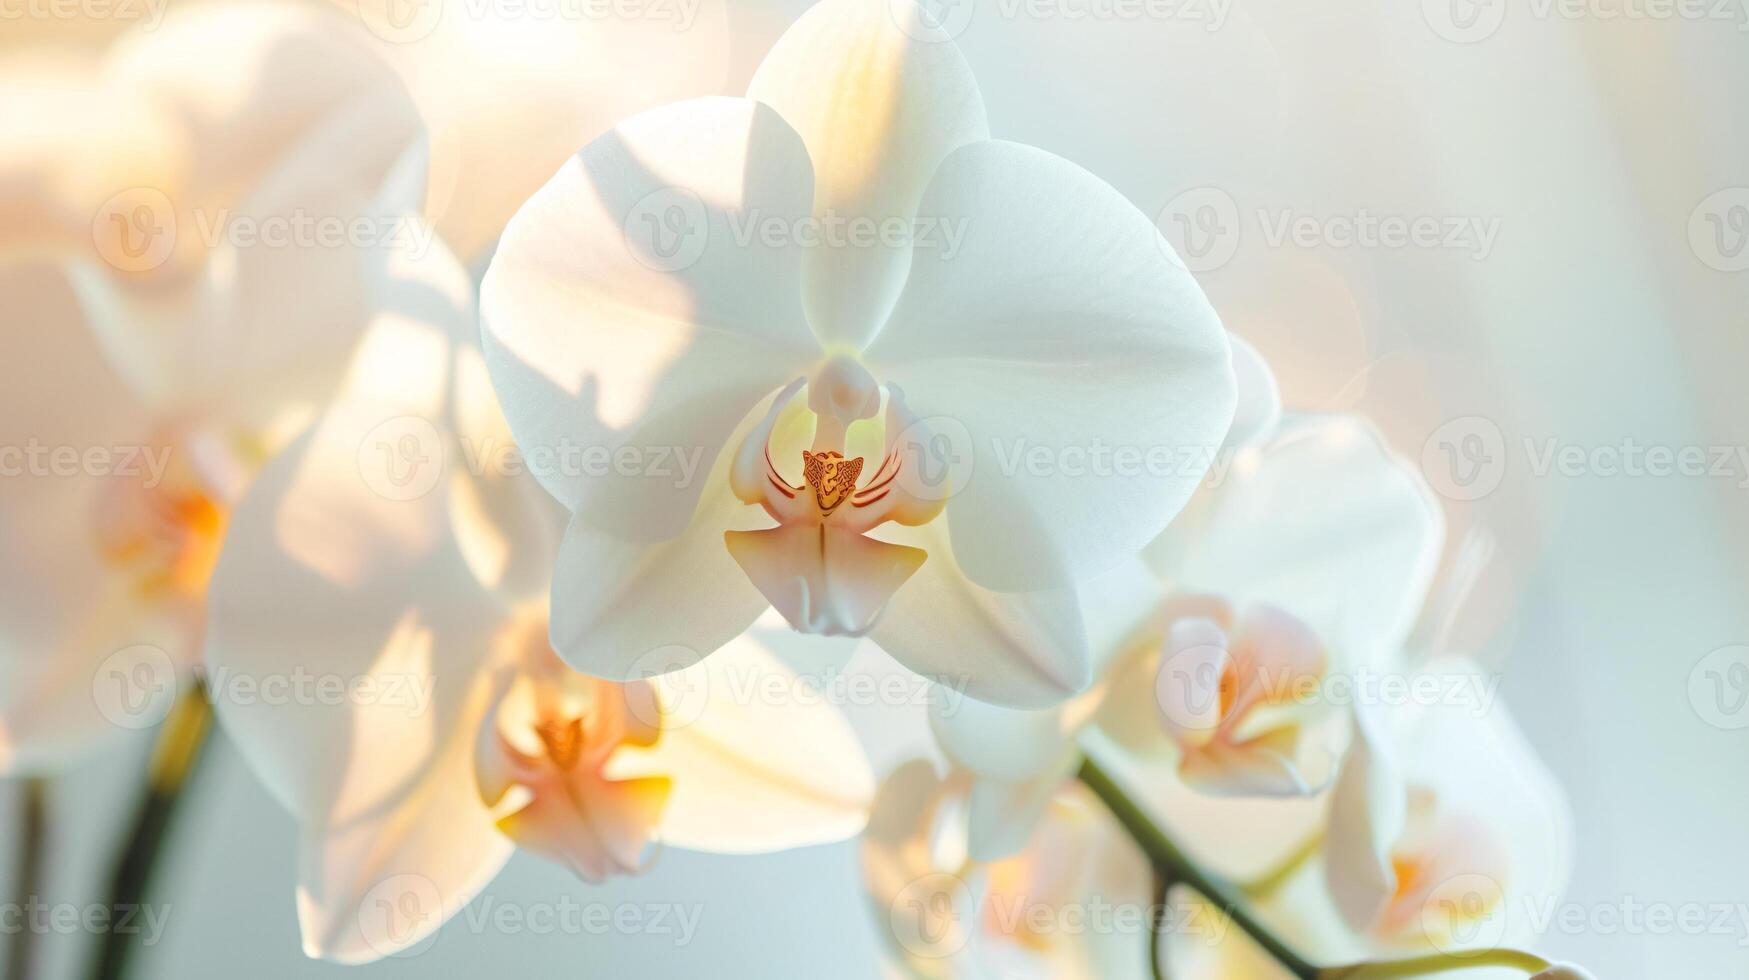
(942, 913)
(506, 95)
(155, 359)
(834, 350)
(378, 552)
(1308, 557)
(1446, 836)
(1446, 830)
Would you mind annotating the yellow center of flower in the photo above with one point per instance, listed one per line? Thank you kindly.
(166, 535)
(818, 566)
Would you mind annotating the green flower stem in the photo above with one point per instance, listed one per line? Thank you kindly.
(174, 758)
(1173, 866)
(1176, 865)
(1162, 888)
(1423, 966)
(32, 841)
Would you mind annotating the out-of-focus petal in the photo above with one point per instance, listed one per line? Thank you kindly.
(624, 313)
(751, 776)
(1323, 521)
(1368, 811)
(67, 617)
(1002, 816)
(342, 559)
(880, 97)
(1086, 370)
(506, 96)
(384, 879)
(1259, 405)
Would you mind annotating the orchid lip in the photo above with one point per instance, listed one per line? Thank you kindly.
(818, 566)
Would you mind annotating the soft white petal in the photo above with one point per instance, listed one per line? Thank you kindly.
(507, 96)
(1018, 649)
(1001, 816)
(623, 313)
(1368, 811)
(1259, 409)
(1085, 368)
(1474, 755)
(382, 881)
(263, 295)
(1323, 521)
(749, 775)
(64, 610)
(341, 562)
(623, 608)
(880, 97)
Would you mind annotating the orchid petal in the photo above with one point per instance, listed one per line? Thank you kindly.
(1008, 648)
(1061, 326)
(623, 609)
(65, 612)
(1368, 811)
(507, 97)
(623, 312)
(1322, 521)
(1259, 404)
(751, 777)
(880, 97)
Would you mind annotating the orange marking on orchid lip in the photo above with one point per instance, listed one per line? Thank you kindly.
(563, 741)
(890, 459)
(870, 500)
(878, 482)
(781, 488)
(832, 476)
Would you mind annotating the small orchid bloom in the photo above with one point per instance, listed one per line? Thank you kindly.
(1444, 832)
(873, 333)
(151, 367)
(945, 914)
(1311, 554)
(185, 246)
(376, 551)
(1445, 827)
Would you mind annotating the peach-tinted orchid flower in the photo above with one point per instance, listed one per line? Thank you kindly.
(1310, 554)
(379, 551)
(1446, 830)
(152, 361)
(1035, 914)
(843, 267)
(1445, 835)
